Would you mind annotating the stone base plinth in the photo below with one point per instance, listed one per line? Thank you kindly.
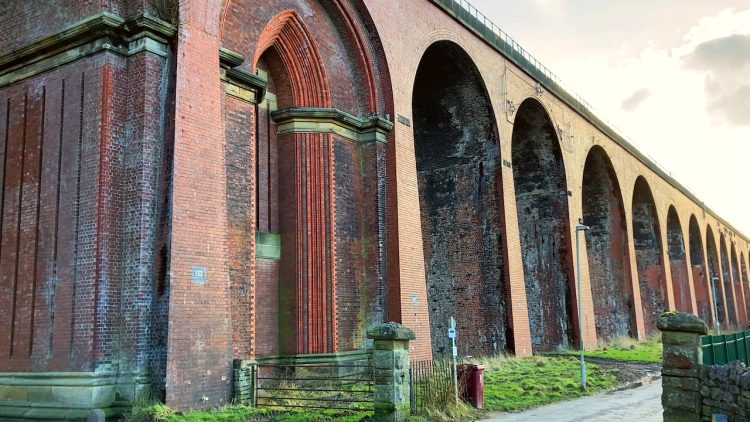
(67, 395)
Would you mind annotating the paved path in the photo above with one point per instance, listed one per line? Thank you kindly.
(642, 404)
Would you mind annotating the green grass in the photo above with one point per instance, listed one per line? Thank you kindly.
(238, 413)
(627, 349)
(519, 383)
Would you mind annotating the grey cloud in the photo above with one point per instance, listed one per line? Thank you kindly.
(720, 54)
(727, 64)
(731, 105)
(631, 103)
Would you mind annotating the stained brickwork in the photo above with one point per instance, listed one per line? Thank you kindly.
(727, 283)
(701, 279)
(715, 278)
(737, 285)
(199, 350)
(542, 203)
(457, 165)
(606, 244)
(648, 250)
(677, 262)
(360, 294)
(745, 285)
(69, 232)
(239, 147)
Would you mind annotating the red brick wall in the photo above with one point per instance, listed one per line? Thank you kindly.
(542, 210)
(199, 348)
(727, 283)
(606, 246)
(34, 19)
(81, 173)
(457, 151)
(648, 253)
(239, 119)
(701, 282)
(738, 287)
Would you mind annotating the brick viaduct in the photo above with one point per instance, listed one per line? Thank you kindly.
(185, 183)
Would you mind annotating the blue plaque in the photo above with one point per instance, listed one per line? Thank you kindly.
(199, 274)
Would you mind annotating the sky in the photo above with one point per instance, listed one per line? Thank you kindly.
(672, 75)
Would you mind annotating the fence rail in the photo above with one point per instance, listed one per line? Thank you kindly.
(431, 384)
(316, 386)
(722, 349)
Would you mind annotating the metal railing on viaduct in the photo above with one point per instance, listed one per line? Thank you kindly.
(480, 24)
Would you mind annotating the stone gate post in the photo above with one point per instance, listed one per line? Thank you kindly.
(390, 361)
(682, 358)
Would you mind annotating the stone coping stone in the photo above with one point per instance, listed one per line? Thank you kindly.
(681, 321)
(391, 331)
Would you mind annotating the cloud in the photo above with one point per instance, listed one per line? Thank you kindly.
(631, 103)
(730, 104)
(720, 54)
(550, 8)
(726, 64)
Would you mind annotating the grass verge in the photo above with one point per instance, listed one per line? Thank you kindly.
(157, 412)
(519, 383)
(627, 349)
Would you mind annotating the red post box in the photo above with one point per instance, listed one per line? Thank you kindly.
(471, 380)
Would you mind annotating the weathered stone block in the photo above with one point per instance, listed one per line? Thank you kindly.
(391, 331)
(672, 415)
(13, 393)
(40, 393)
(390, 345)
(96, 415)
(386, 394)
(75, 396)
(681, 339)
(680, 383)
(681, 357)
(676, 372)
(682, 322)
(401, 360)
(681, 400)
(102, 396)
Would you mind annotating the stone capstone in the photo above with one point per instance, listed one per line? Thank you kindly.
(391, 331)
(681, 321)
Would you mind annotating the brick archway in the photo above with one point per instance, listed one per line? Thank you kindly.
(715, 277)
(304, 204)
(677, 262)
(739, 291)
(607, 248)
(458, 163)
(542, 209)
(648, 253)
(701, 281)
(726, 284)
